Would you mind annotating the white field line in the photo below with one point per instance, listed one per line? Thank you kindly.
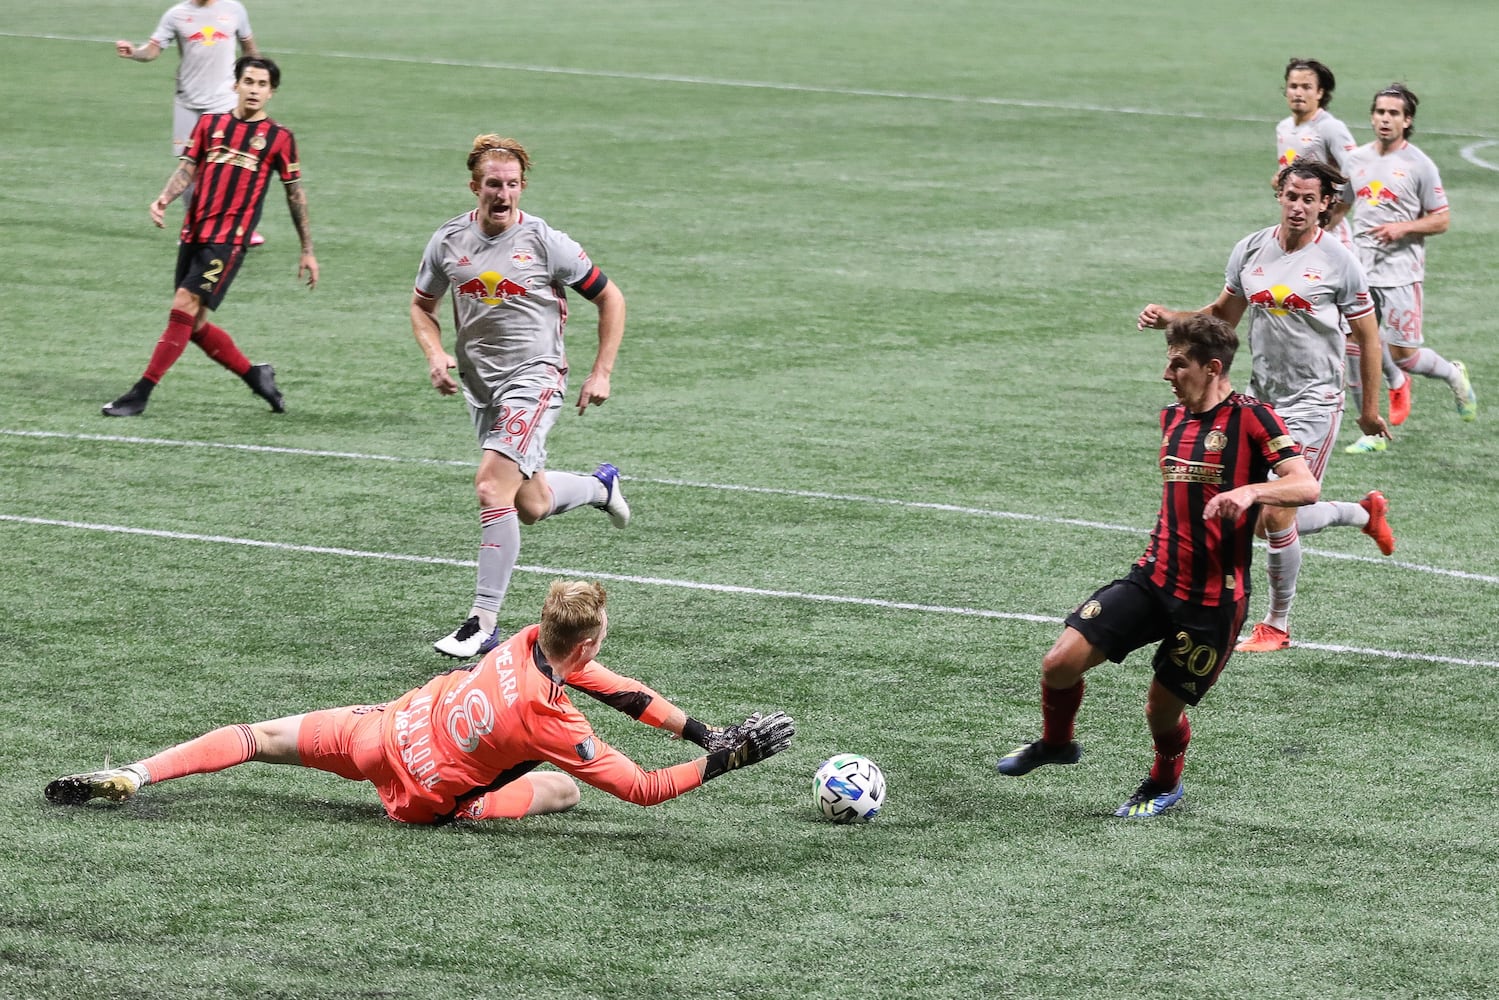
(708, 81)
(852, 498)
(655, 581)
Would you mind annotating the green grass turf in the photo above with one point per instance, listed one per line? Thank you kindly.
(888, 255)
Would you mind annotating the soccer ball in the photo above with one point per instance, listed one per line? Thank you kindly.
(849, 788)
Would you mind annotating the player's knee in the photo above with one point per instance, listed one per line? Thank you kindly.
(552, 793)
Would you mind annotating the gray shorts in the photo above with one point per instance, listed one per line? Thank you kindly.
(1315, 428)
(1399, 312)
(519, 415)
(184, 119)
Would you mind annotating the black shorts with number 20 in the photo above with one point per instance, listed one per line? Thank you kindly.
(1195, 639)
(205, 269)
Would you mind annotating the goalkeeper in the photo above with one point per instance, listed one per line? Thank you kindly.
(464, 745)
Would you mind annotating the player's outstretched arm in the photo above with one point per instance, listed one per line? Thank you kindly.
(144, 52)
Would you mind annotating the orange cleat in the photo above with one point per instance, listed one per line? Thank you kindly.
(1400, 404)
(1264, 639)
(1378, 527)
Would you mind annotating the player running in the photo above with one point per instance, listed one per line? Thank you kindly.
(1399, 202)
(508, 273)
(1190, 590)
(228, 164)
(1298, 284)
(464, 745)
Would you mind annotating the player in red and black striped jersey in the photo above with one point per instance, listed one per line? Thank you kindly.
(228, 164)
(1223, 455)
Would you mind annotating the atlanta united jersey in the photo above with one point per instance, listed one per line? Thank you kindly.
(1295, 300)
(207, 39)
(1236, 443)
(1400, 186)
(509, 296)
(235, 160)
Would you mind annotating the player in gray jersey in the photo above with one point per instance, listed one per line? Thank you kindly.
(508, 273)
(1311, 130)
(206, 33)
(1295, 281)
(1398, 203)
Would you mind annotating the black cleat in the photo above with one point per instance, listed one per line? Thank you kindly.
(117, 785)
(262, 381)
(132, 404)
(1025, 759)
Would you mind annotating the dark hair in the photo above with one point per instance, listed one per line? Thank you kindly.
(1325, 174)
(258, 62)
(1325, 80)
(1203, 338)
(1406, 95)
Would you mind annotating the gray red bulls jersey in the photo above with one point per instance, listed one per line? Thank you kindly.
(1322, 137)
(1295, 300)
(208, 40)
(1397, 187)
(509, 296)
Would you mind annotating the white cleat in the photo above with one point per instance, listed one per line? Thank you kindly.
(467, 640)
(614, 503)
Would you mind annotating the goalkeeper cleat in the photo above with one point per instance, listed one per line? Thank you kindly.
(1025, 759)
(1467, 399)
(468, 639)
(1378, 527)
(1150, 800)
(118, 784)
(1369, 444)
(262, 381)
(614, 498)
(1264, 639)
(1400, 403)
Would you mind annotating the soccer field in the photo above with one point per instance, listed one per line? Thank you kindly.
(884, 417)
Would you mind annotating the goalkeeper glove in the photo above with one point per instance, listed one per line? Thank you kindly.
(760, 736)
(715, 738)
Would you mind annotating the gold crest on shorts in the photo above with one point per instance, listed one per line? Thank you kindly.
(1092, 609)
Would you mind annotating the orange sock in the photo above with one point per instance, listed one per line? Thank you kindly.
(210, 752)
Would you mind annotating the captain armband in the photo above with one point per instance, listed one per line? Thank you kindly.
(591, 285)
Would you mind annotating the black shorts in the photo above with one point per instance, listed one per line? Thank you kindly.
(206, 269)
(1195, 639)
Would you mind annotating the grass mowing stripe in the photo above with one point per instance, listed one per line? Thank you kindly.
(739, 488)
(800, 88)
(655, 581)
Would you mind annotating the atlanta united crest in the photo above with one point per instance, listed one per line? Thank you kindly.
(1216, 440)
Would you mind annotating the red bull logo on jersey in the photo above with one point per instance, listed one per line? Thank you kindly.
(490, 288)
(1288, 157)
(1279, 300)
(208, 35)
(1375, 193)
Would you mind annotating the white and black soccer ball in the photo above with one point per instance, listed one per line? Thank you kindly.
(849, 788)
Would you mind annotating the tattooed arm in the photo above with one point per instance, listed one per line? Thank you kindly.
(296, 201)
(176, 184)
